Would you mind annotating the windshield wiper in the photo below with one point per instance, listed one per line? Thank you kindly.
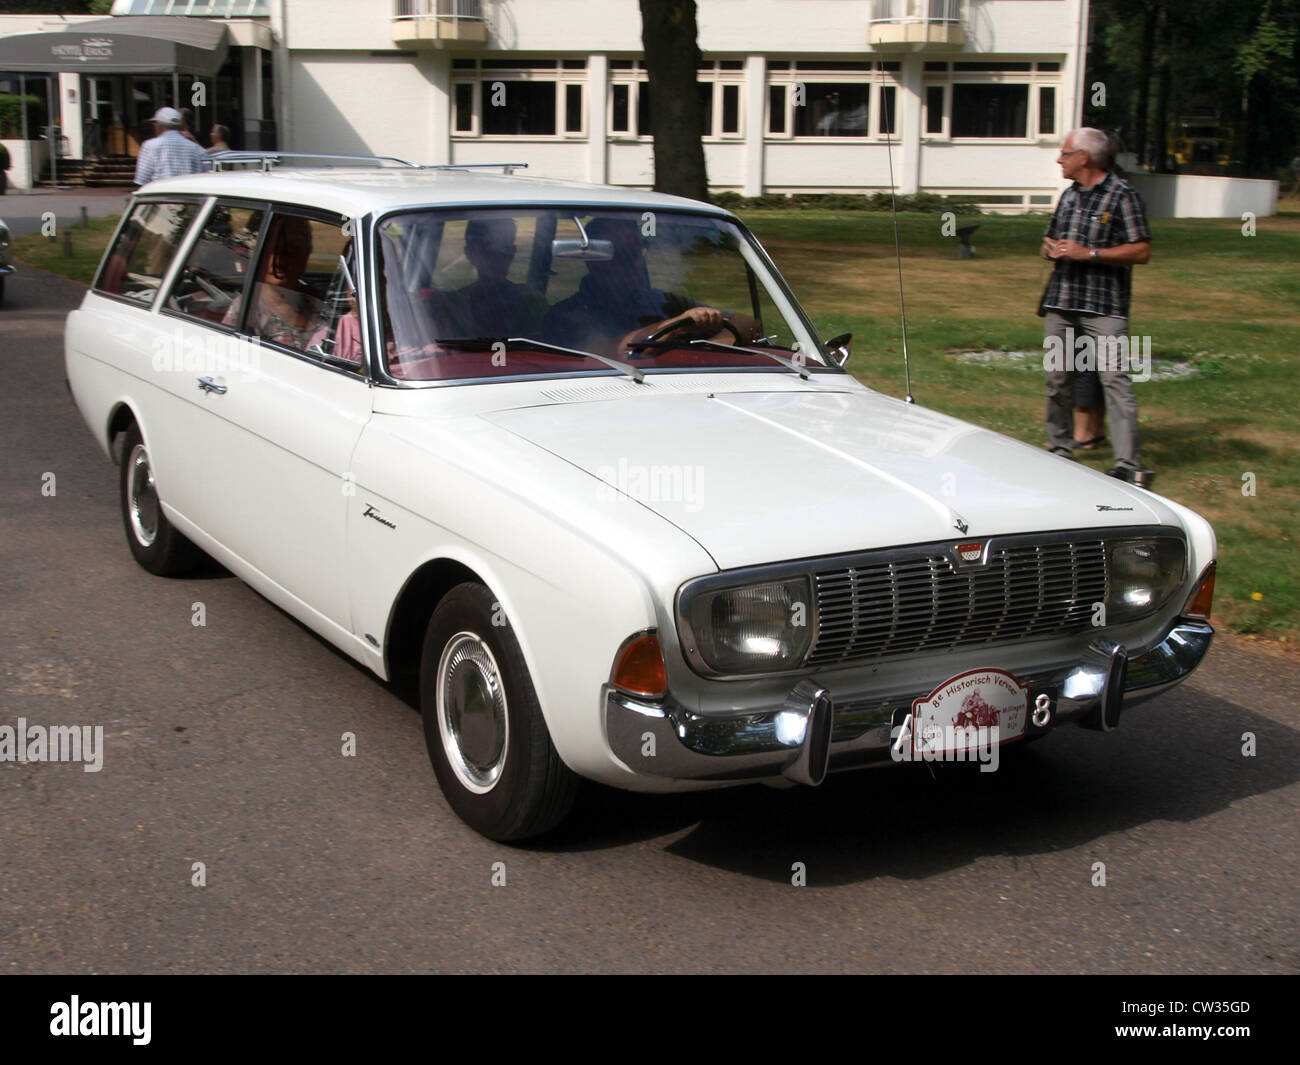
(716, 345)
(541, 345)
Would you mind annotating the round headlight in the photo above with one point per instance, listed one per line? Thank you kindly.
(1143, 575)
(756, 628)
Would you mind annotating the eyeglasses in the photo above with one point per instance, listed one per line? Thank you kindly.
(1076, 151)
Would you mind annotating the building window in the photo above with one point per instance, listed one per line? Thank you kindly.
(518, 108)
(997, 99)
(630, 113)
(519, 97)
(776, 109)
(619, 108)
(573, 110)
(832, 98)
(934, 109)
(730, 109)
(994, 111)
(1046, 111)
(464, 107)
(889, 110)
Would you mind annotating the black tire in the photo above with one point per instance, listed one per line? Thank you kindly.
(154, 541)
(483, 725)
(2, 291)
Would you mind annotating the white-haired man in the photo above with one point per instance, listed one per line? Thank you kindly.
(1097, 234)
(169, 153)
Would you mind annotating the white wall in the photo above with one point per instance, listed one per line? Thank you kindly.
(1198, 196)
(18, 162)
(809, 27)
(325, 24)
(980, 166)
(362, 105)
(1022, 26)
(565, 160)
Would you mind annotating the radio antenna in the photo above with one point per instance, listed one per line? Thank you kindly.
(898, 258)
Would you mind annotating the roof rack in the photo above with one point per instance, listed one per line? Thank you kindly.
(268, 159)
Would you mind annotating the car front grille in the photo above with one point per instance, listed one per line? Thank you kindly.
(929, 602)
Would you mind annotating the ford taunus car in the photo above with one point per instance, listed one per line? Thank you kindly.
(5, 267)
(576, 458)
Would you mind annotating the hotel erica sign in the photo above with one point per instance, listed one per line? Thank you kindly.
(88, 48)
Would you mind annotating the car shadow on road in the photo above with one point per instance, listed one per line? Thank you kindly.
(1180, 760)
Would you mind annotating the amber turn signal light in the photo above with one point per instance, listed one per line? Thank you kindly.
(639, 667)
(1203, 599)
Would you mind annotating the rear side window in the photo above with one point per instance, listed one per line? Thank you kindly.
(144, 250)
(213, 276)
(300, 297)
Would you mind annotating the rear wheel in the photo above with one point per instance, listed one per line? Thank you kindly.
(483, 725)
(154, 541)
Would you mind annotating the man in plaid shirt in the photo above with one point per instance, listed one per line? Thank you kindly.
(169, 153)
(1098, 231)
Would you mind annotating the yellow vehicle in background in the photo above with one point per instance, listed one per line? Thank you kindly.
(1197, 139)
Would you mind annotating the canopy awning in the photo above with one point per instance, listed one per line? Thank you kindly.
(136, 45)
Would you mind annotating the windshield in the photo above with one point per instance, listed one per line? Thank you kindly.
(464, 292)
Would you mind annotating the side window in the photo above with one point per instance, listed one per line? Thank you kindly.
(212, 279)
(302, 296)
(144, 250)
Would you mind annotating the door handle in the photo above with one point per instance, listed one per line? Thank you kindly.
(206, 384)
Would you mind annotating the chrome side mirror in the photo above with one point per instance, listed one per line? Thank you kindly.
(839, 348)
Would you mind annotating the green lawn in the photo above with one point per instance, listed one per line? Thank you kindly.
(1227, 304)
(87, 248)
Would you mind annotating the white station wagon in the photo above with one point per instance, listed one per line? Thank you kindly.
(576, 458)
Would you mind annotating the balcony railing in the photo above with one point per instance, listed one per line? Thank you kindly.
(917, 11)
(456, 10)
(917, 25)
(438, 22)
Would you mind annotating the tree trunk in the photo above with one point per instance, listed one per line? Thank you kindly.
(672, 56)
(1144, 81)
(1162, 100)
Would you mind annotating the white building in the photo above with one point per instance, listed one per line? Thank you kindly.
(968, 97)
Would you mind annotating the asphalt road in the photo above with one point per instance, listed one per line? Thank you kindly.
(222, 746)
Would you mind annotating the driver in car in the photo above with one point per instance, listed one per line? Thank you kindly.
(616, 294)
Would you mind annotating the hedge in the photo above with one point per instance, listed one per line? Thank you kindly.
(11, 115)
(840, 201)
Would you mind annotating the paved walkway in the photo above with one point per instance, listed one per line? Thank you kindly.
(22, 210)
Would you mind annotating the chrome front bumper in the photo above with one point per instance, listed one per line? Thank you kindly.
(810, 733)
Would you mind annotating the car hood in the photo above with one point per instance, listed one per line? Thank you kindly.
(759, 477)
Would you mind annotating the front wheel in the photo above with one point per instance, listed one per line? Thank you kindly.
(154, 541)
(483, 725)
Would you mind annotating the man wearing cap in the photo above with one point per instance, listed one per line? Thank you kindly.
(169, 153)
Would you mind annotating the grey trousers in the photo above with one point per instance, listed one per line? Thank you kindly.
(1121, 405)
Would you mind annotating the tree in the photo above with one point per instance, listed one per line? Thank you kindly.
(672, 58)
(1160, 59)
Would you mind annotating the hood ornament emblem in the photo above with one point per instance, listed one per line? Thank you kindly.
(960, 523)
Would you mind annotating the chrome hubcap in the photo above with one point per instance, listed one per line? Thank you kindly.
(472, 714)
(141, 496)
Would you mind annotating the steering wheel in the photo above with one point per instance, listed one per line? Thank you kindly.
(680, 323)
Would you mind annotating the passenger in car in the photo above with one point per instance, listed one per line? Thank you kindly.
(615, 303)
(286, 309)
(493, 306)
